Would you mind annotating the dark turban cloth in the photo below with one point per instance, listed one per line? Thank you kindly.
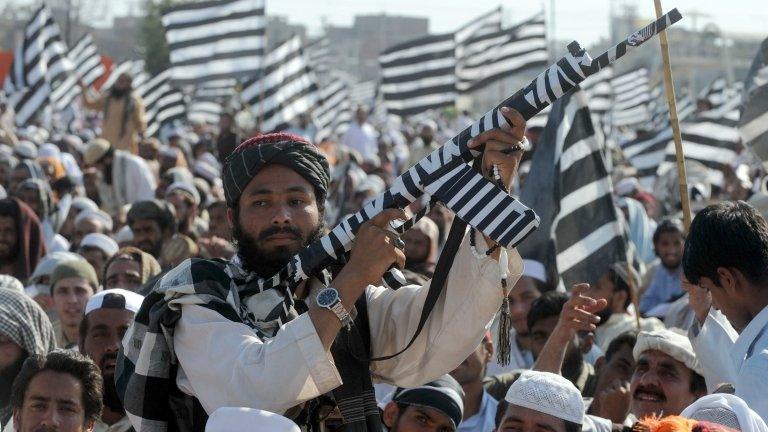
(285, 149)
(160, 211)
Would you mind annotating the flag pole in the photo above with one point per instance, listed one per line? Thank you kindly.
(670, 91)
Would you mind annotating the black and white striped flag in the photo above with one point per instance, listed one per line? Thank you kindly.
(40, 64)
(711, 137)
(134, 68)
(319, 53)
(334, 110)
(631, 98)
(473, 39)
(581, 232)
(754, 109)
(88, 68)
(204, 112)
(215, 39)
(491, 56)
(287, 88)
(419, 75)
(163, 103)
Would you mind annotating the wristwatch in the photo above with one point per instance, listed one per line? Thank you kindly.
(329, 298)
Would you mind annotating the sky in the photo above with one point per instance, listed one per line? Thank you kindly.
(583, 20)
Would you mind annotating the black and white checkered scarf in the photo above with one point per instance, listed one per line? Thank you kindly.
(147, 366)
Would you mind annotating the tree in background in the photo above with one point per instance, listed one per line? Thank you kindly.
(152, 36)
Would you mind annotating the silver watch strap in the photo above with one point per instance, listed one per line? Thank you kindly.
(341, 313)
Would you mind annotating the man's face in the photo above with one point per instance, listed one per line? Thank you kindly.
(31, 197)
(417, 246)
(219, 225)
(472, 369)
(147, 236)
(96, 258)
(69, 298)
(726, 303)
(8, 239)
(427, 133)
(10, 352)
(278, 216)
(660, 385)
(85, 227)
(181, 204)
(123, 82)
(416, 419)
(52, 402)
(361, 115)
(68, 226)
(540, 332)
(123, 273)
(520, 419)
(104, 334)
(605, 288)
(669, 248)
(618, 369)
(522, 295)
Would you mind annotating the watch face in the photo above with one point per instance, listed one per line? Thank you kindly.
(326, 297)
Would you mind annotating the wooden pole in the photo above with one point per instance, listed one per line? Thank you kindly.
(671, 101)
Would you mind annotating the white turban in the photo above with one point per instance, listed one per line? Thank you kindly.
(534, 270)
(99, 215)
(726, 410)
(671, 343)
(547, 393)
(101, 242)
(228, 419)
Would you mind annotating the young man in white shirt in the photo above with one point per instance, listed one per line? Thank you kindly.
(726, 262)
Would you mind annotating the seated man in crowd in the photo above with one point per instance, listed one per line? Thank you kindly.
(541, 401)
(479, 405)
(131, 269)
(59, 391)
(614, 373)
(223, 330)
(435, 406)
(90, 221)
(662, 282)
(542, 321)
(153, 223)
(614, 287)
(97, 249)
(726, 256)
(73, 282)
(108, 315)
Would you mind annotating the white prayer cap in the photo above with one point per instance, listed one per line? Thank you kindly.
(49, 150)
(25, 150)
(188, 189)
(49, 262)
(99, 215)
(670, 342)
(11, 283)
(429, 123)
(726, 410)
(228, 419)
(124, 235)
(626, 186)
(83, 203)
(100, 241)
(115, 298)
(547, 393)
(206, 171)
(535, 270)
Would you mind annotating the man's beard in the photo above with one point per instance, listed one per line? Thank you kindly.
(7, 376)
(263, 263)
(110, 397)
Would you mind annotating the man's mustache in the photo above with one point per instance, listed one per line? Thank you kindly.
(279, 230)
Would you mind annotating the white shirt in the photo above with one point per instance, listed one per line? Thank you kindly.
(223, 363)
(363, 139)
(484, 420)
(739, 359)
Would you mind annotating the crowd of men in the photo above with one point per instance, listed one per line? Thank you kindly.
(131, 291)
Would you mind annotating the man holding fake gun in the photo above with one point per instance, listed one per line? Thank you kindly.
(207, 337)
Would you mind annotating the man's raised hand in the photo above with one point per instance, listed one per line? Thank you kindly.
(502, 147)
(374, 250)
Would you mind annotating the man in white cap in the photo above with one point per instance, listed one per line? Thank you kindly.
(667, 377)
(542, 401)
(97, 249)
(108, 315)
(437, 406)
(229, 419)
(90, 221)
(361, 136)
(726, 410)
(78, 204)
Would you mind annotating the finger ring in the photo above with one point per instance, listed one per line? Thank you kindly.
(399, 243)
